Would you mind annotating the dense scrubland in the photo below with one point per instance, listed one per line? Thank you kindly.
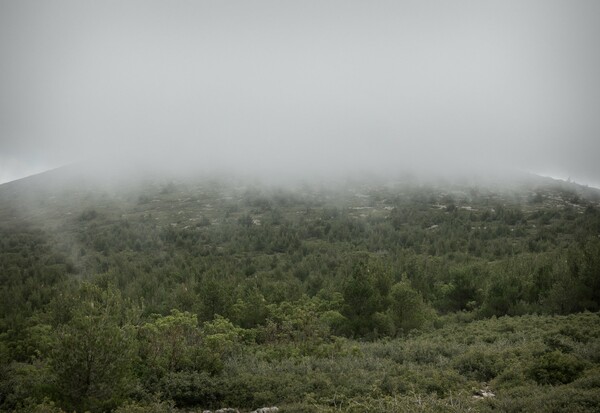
(185, 295)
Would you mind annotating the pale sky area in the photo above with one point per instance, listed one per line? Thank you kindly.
(302, 85)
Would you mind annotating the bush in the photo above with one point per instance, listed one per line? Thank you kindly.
(563, 399)
(46, 406)
(189, 388)
(556, 368)
(147, 407)
(407, 308)
(478, 365)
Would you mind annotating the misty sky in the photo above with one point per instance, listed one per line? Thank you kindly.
(302, 85)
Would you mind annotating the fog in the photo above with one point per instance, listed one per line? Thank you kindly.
(304, 87)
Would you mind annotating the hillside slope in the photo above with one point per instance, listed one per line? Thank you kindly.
(213, 291)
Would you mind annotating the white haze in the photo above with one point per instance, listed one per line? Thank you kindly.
(302, 87)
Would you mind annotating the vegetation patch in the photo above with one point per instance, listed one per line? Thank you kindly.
(194, 295)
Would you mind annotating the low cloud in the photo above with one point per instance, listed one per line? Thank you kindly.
(310, 86)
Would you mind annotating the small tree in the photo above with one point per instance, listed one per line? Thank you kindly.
(169, 342)
(360, 301)
(92, 363)
(407, 308)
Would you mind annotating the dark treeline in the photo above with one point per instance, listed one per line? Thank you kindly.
(203, 296)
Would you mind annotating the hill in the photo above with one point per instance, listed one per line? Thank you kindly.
(155, 291)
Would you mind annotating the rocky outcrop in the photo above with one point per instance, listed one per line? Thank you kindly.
(483, 393)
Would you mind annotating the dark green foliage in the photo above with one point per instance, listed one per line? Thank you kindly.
(464, 291)
(478, 364)
(93, 355)
(361, 301)
(548, 399)
(191, 388)
(407, 309)
(556, 368)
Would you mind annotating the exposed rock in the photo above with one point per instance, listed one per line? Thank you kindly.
(230, 410)
(483, 393)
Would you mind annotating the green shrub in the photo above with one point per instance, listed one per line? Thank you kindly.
(478, 364)
(556, 368)
(46, 406)
(589, 380)
(147, 407)
(561, 399)
(189, 388)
